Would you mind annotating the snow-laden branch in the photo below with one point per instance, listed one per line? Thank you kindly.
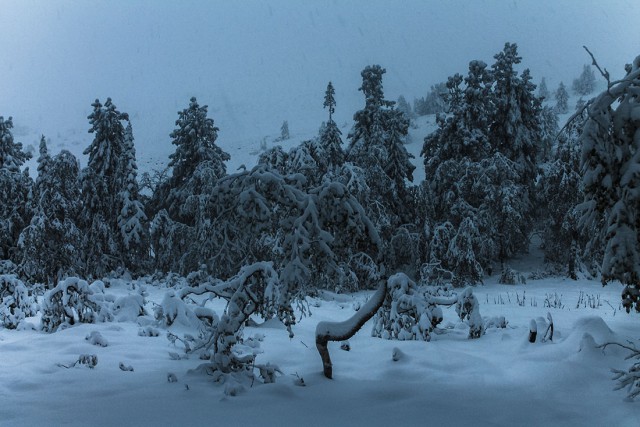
(629, 379)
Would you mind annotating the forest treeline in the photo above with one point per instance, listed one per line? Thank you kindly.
(341, 211)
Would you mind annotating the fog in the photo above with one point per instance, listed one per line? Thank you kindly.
(257, 63)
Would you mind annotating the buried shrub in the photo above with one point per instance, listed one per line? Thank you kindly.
(16, 301)
(411, 312)
(69, 302)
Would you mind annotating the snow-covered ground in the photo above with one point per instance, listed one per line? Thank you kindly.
(499, 379)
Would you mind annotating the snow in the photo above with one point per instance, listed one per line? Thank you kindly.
(142, 378)
(498, 379)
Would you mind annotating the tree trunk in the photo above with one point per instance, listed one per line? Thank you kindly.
(340, 331)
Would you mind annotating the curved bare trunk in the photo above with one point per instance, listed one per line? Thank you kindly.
(340, 331)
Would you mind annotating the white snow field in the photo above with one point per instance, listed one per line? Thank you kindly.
(500, 379)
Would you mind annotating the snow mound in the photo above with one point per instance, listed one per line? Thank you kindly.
(594, 326)
(589, 333)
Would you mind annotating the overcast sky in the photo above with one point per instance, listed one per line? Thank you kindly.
(257, 63)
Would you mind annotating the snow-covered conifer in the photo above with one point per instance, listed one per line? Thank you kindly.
(548, 132)
(11, 154)
(330, 100)
(330, 139)
(434, 103)
(44, 158)
(51, 244)
(611, 165)
(461, 255)
(15, 190)
(515, 127)
(378, 131)
(586, 83)
(559, 192)
(131, 217)
(562, 99)
(404, 107)
(197, 162)
(101, 186)
(284, 131)
(543, 90)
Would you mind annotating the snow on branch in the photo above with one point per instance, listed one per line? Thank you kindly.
(629, 379)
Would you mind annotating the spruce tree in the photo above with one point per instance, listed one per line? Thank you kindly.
(101, 187)
(543, 91)
(611, 161)
(51, 244)
(548, 131)
(183, 225)
(515, 125)
(44, 159)
(376, 146)
(562, 99)
(197, 162)
(15, 188)
(378, 129)
(329, 100)
(284, 131)
(398, 167)
(481, 159)
(403, 106)
(131, 218)
(585, 84)
(11, 154)
(330, 139)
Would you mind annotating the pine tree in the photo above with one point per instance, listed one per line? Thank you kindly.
(11, 154)
(44, 159)
(562, 99)
(284, 131)
(330, 139)
(15, 188)
(586, 83)
(481, 159)
(548, 131)
(516, 119)
(611, 165)
(378, 131)
(329, 100)
(197, 162)
(403, 106)
(131, 217)
(51, 244)
(101, 186)
(543, 91)
(398, 167)
(461, 255)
